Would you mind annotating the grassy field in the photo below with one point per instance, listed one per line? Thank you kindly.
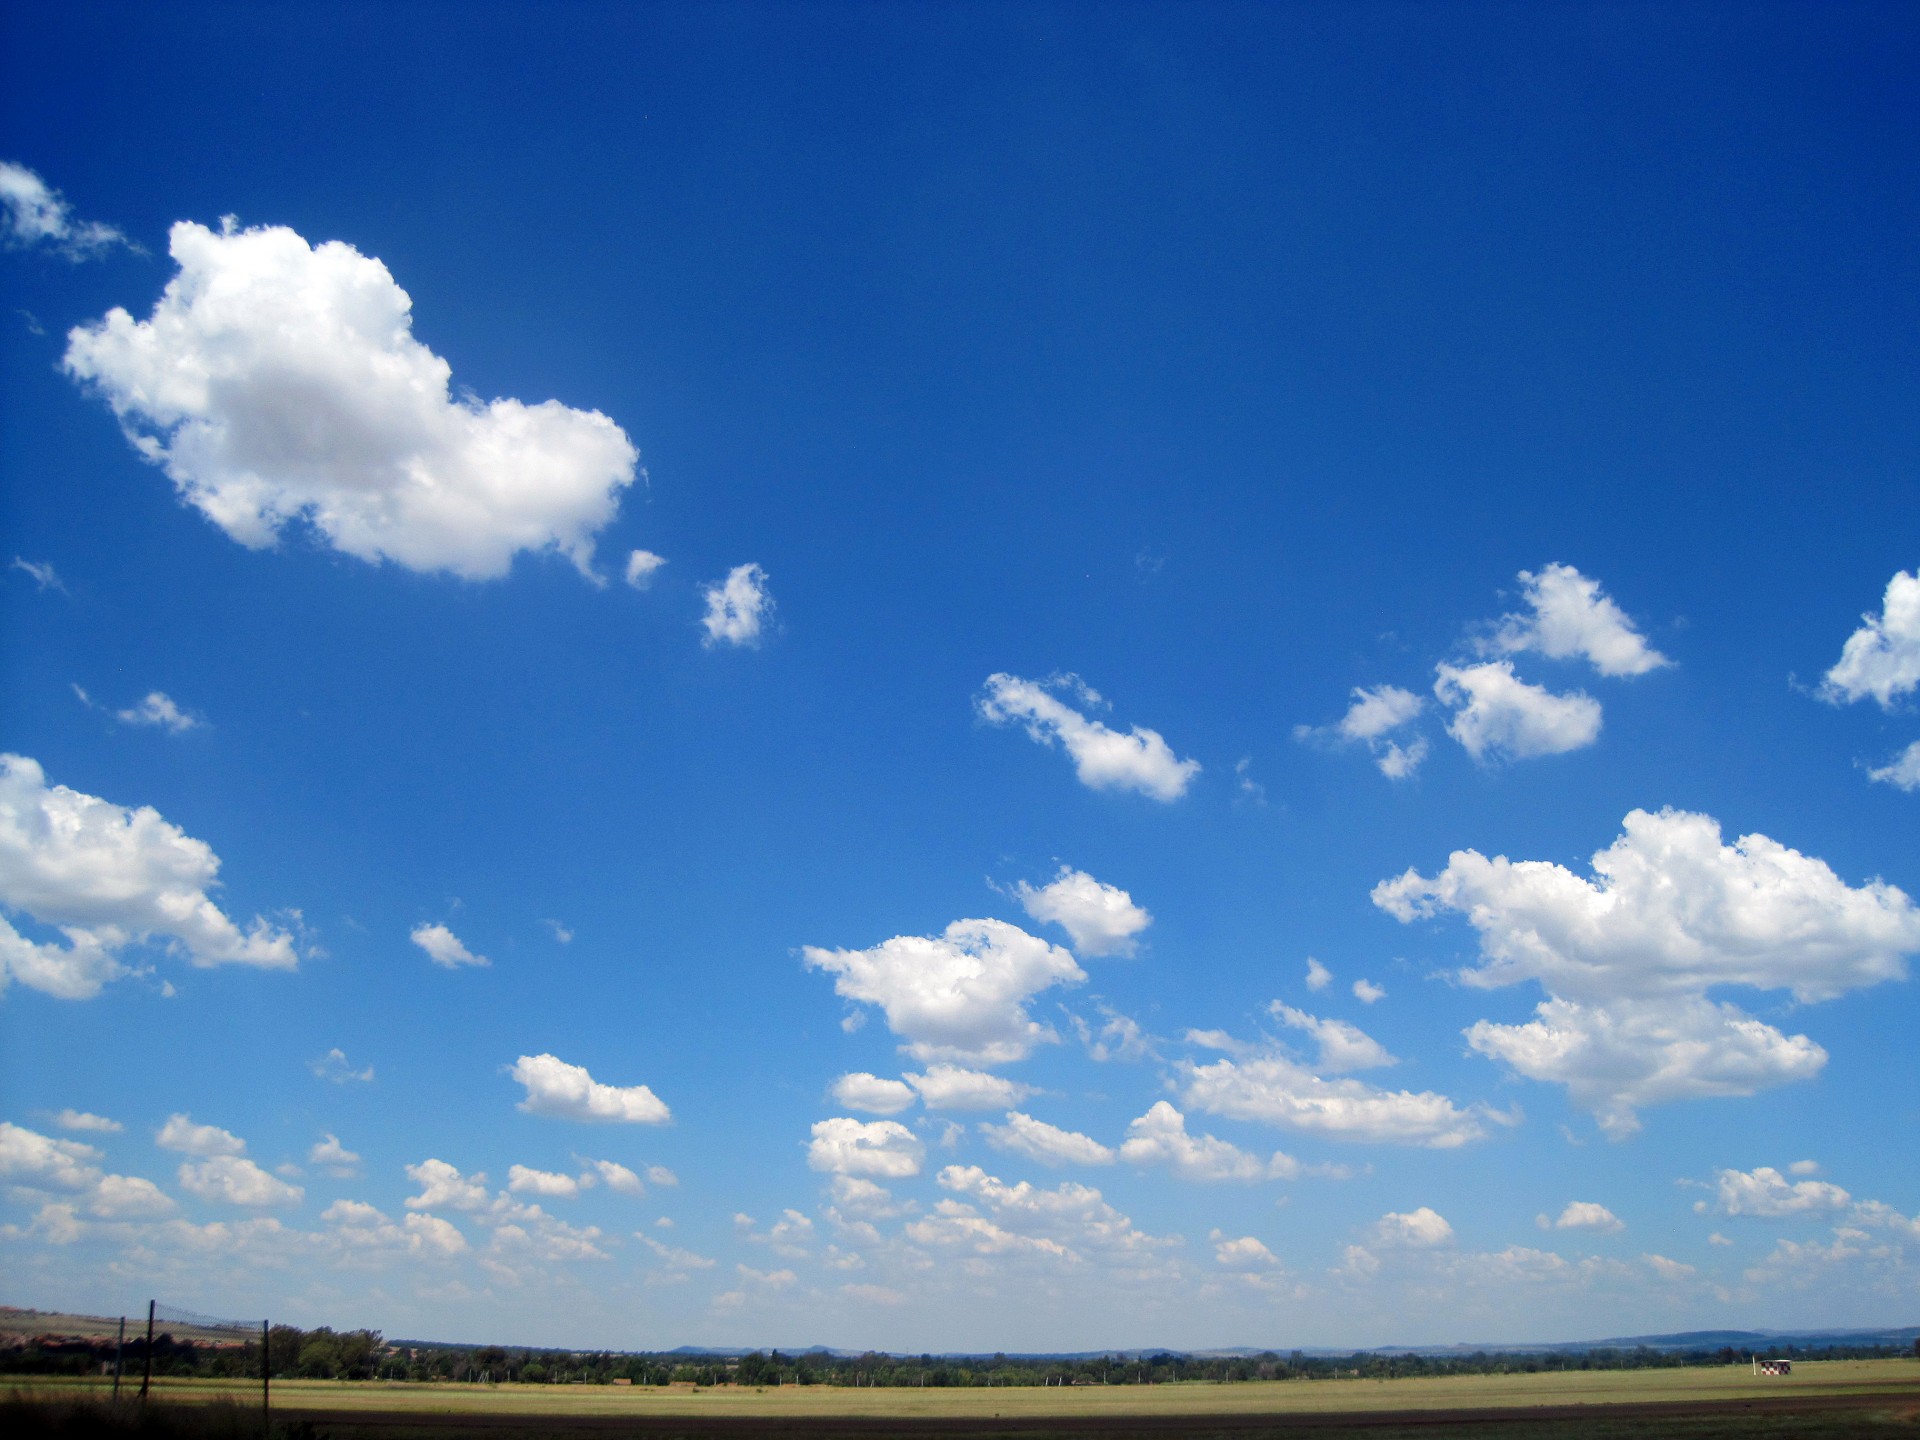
(1841, 1397)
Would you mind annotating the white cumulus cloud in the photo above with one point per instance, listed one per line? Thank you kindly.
(1765, 1192)
(1418, 1229)
(1569, 616)
(334, 1158)
(952, 1087)
(1881, 660)
(236, 1180)
(524, 1181)
(862, 1090)
(1902, 772)
(1103, 758)
(279, 382)
(108, 877)
(567, 1092)
(1498, 716)
(884, 1149)
(444, 948)
(1274, 1090)
(35, 214)
(1372, 718)
(181, 1134)
(642, 565)
(738, 607)
(615, 1176)
(442, 1187)
(1318, 976)
(1585, 1215)
(1160, 1137)
(1099, 919)
(1628, 956)
(1045, 1144)
(86, 1120)
(960, 996)
(158, 711)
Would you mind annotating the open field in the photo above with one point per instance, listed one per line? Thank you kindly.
(1821, 1398)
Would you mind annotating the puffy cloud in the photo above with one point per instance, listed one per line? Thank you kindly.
(160, 712)
(1627, 957)
(1103, 758)
(1584, 1215)
(34, 214)
(1671, 910)
(949, 1087)
(524, 1181)
(738, 608)
(29, 1158)
(335, 1066)
(1765, 1192)
(615, 1176)
(862, 1090)
(567, 1092)
(1368, 993)
(1275, 1091)
(1416, 1229)
(1902, 772)
(1616, 1059)
(236, 1180)
(661, 1175)
(1046, 1144)
(991, 1217)
(1498, 716)
(673, 1257)
(1099, 919)
(642, 565)
(1570, 616)
(128, 1197)
(108, 877)
(1244, 1253)
(1160, 1137)
(334, 1157)
(885, 1149)
(357, 1226)
(181, 1134)
(278, 382)
(444, 948)
(1371, 719)
(85, 1120)
(1343, 1047)
(1318, 976)
(442, 1187)
(1881, 659)
(959, 996)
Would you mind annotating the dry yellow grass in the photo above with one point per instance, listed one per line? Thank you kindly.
(1895, 1379)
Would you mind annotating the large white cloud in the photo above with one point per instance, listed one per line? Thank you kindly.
(1046, 1144)
(1627, 957)
(1765, 1192)
(1570, 616)
(108, 877)
(277, 382)
(1497, 715)
(182, 1134)
(959, 996)
(885, 1149)
(863, 1090)
(1103, 758)
(952, 1087)
(1160, 1137)
(568, 1092)
(1099, 919)
(990, 1217)
(1881, 659)
(35, 215)
(1419, 1229)
(1274, 1090)
(32, 1161)
(442, 1187)
(1671, 910)
(236, 1180)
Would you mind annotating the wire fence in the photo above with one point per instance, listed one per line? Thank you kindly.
(247, 1343)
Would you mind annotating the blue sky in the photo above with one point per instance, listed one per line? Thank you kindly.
(961, 677)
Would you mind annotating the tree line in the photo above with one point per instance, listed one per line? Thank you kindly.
(327, 1354)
